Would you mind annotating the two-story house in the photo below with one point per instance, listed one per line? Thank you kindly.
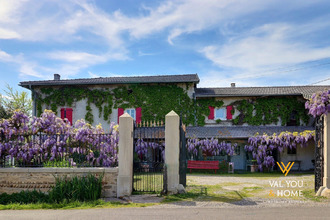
(231, 113)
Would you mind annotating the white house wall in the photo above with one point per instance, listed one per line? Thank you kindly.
(304, 154)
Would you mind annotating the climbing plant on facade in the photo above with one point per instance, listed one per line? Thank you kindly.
(66, 96)
(262, 111)
(263, 146)
(158, 100)
(319, 104)
(155, 100)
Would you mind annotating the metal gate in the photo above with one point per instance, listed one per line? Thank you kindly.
(319, 152)
(148, 158)
(183, 155)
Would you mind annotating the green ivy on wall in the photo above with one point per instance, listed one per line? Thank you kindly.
(155, 100)
(263, 111)
(158, 100)
(66, 96)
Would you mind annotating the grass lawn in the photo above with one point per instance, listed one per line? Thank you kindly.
(73, 205)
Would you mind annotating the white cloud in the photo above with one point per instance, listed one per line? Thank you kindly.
(5, 56)
(82, 21)
(8, 34)
(265, 48)
(67, 20)
(74, 56)
(26, 68)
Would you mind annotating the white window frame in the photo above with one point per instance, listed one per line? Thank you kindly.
(131, 112)
(224, 115)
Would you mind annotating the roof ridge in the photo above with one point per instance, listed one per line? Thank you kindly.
(242, 87)
(106, 77)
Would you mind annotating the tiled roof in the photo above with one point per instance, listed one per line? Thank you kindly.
(193, 78)
(306, 91)
(230, 132)
(225, 132)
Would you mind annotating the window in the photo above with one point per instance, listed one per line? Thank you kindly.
(220, 113)
(292, 121)
(131, 112)
(67, 113)
(292, 150)
(237, 150)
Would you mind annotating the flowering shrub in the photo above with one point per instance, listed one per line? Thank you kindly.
(210, 146)
(49, 138)
(141, 147)
(319, 104)
(262, 146)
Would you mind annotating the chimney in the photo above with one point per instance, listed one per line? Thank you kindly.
(57, 76)
(232, 85)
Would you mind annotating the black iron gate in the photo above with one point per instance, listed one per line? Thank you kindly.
(319, 153)
(148, 158)
(183, 155)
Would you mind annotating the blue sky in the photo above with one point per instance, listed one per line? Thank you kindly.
(251, 43)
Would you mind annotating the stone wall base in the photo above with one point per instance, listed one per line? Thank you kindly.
(17, 179)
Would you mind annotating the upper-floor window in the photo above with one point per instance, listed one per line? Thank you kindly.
(292, 120)
(131, 112)
(220, 113)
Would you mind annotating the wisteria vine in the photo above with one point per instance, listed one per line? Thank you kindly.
(210, 146)
(142, 146)
(194, 145)
(262, 146)
(49, 138)
(319, 104)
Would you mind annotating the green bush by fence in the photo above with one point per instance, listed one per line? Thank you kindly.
(65, 190)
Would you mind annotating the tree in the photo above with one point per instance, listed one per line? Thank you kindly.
(3, 113)
(13, 100)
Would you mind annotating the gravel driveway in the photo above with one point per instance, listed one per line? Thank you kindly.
(230, 184)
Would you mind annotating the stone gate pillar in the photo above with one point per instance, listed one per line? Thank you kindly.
(325, 190)
(125, 156)
(172, 150)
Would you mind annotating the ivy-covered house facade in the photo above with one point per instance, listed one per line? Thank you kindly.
(231, 113)
(264, 110)
(102, 100)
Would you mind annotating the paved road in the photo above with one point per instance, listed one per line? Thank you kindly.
(173, 213)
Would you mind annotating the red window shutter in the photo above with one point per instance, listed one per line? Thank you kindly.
(211, 115)
(138, 115)
(229, 115)
(120, 113)
(69, 114)
(62, 112)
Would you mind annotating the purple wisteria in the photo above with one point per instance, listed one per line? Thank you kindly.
(210, 146)
(141, 147)
(319, 104)
(38, 140)
(262, 146)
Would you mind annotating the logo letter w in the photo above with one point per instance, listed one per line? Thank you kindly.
(286, 168)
